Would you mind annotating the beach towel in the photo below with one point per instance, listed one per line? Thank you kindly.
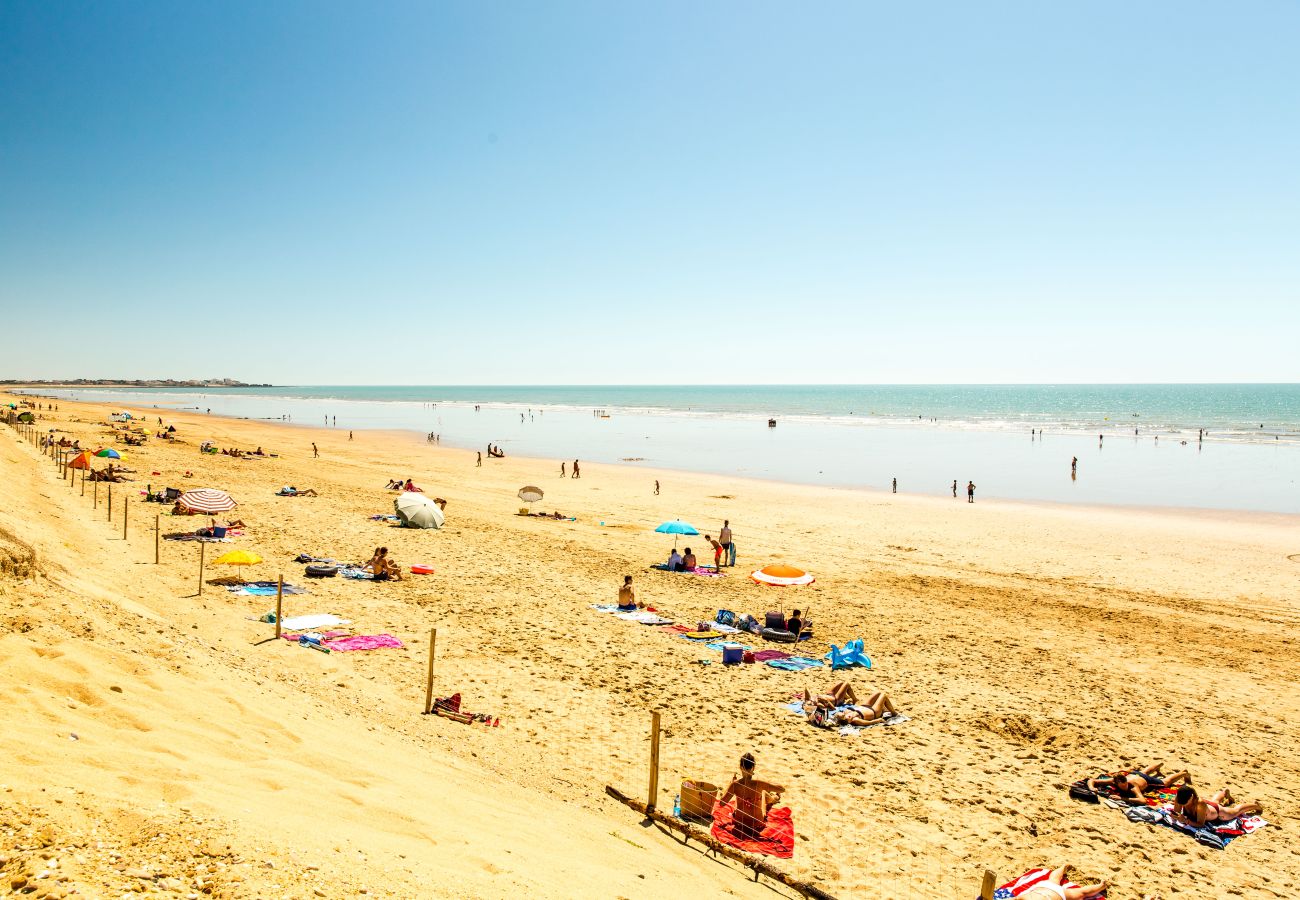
(645, 617)
(192, 536)
(388, 517)
(605, 607)
(356, 573)
(725, 629)
(698, 570)
(311, 622)
(776, 839)
(765, 655)
(1018, 886)
(679, 629)
(263, 588)
(794, 663)
(1156, 808)
(363, 642)
(325, 636)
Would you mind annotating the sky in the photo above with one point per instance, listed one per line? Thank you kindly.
(670, 192)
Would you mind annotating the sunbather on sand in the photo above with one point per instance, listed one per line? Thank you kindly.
(753, 798)
(1053, 889)
(394, 484)
(410, 486)
(626, 596)
(841, 694)
(387, 570)
(1132, 783)
(290, 491)
(1192, 810)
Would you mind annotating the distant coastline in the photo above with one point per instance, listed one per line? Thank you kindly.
(147, 383)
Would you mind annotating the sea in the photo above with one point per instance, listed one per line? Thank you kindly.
(1204, 446)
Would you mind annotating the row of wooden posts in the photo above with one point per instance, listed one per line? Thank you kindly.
(61, 458)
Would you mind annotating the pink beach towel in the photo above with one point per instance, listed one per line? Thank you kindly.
(364, 642)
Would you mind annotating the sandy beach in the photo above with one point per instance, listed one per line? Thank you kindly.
(155, 735)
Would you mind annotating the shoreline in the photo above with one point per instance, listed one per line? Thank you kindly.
(414, 438)
(1022, 640)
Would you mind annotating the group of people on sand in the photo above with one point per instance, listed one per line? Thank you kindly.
(840, 706)
(1189, 808)
(239, 454)
(496, 452)
(382, 567)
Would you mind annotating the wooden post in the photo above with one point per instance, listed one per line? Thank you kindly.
(83, 482)
(202, 548)
(654, 759)
(110, 501)
(96, 495)
(279, 605)
(157, 538)
(428, 687)
(125, 507)
(988, 885)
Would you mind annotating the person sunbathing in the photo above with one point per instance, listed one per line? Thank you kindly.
(822, 709)
(394, 485)
(392, 571)
(1131, 784)
(626, 595)
(290, 491)
(1190, 809)
(410, 486)
(688, 561)
(753, 798)
(1053, 889)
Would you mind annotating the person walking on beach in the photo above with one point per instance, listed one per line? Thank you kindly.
(895, 486)
(725, 537)
(954, 487)
(349, 435)
(970, 492)
(656, 487)
(1074, 465)
(576, 474)
(480, 459)
(562, 475)
(314, 452)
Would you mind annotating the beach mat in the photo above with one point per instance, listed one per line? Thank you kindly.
(776, 839)
(1156, 808)
(364, 642)
(1030, 879)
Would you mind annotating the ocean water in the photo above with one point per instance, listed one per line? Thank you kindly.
(1136, 444)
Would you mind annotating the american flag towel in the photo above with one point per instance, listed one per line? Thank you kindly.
(1026, 881)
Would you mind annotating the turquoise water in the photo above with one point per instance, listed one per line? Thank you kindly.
(855, 436)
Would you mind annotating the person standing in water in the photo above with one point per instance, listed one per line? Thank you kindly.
(656, 487)
(970, 492)
(1074, 465)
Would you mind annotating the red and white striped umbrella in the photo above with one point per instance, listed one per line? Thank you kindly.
(207, 500)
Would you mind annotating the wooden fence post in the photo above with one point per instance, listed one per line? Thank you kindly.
(428, 687)
(279, 605)
(96, 495)
(202, 550)
(110, 501)
(125, 506)
(157, 538)
(987, 886)
(654, 759)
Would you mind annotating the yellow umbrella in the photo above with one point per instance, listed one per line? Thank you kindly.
(238, 558)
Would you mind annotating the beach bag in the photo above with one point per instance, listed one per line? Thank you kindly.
(725, 617)
(698, 798)
(1080, 791)
(820, 718)
(775, 620)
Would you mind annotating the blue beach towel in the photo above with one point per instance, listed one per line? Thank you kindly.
(794, 663)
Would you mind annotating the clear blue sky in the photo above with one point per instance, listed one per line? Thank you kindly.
(534, 192)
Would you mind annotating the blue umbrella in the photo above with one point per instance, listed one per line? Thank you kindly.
(676, 527)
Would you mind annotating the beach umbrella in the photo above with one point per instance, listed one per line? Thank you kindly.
(82, 461)
(781, 575)
(530, 495)
(238, 558)
(676, 527)
(108, 453)
(207, 500)
(418, 511)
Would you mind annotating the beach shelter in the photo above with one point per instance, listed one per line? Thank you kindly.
(206, 500)
(82, 461)
(108, 453)
(530, 495)
(676, 527)
(418, 511)
(26, 417)
(782, 575)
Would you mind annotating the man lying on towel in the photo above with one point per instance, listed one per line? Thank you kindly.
(744, 816)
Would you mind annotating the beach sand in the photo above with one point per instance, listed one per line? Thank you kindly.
(1030, 645)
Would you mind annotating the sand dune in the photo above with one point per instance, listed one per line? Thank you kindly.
(1029, 644)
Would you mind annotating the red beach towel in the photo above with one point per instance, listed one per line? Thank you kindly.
(776, 840)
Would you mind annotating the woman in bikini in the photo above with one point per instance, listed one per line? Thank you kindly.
(626, 596)
(876, 707)
(1192, 810)
(1053, 889)
(753, 798)
(1131, 784)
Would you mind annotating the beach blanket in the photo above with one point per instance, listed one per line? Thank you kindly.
(363, 642)
(356, 573)
(698, 570)
(794, 663)
(325, 636)
(385, 517)
(1033, 877)
(776, 839)
(605, 607)
(1157, 808)
(263, 588)
(645, 617)
(725, 629)
(312, 622)
(679, 629)
(192, 536)
(765, 655)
